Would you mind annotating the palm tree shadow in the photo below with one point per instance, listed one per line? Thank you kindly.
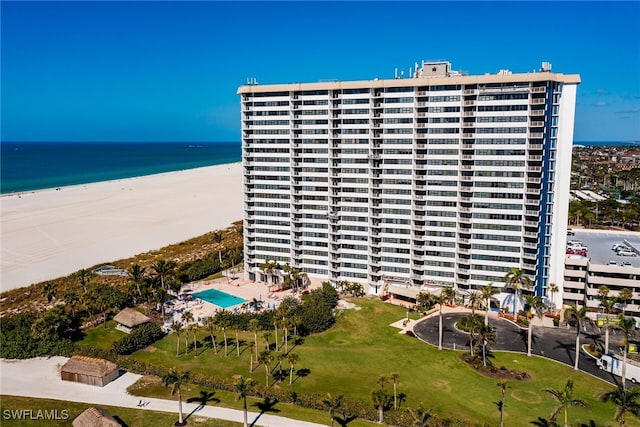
(568, 348)
(301, 373)
(345, 420)
(267, 405)
(205, 396)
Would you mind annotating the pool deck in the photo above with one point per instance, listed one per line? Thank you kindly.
(237, 286)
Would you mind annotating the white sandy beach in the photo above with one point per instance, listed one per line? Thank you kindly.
(51, 233)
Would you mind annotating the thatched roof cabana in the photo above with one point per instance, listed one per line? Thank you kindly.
(95, 417)
(89, 370)
(128, 319)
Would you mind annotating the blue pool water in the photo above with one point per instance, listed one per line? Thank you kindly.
(219, 298)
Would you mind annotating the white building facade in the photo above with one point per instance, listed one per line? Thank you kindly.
(441, 179)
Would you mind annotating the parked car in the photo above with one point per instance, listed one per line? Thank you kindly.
(612, 262)
(627, 253)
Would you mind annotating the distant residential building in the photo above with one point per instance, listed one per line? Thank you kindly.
(441, 179)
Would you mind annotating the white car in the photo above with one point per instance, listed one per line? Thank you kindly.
(627, 253)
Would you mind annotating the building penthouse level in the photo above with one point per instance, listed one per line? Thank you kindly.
(439, 179)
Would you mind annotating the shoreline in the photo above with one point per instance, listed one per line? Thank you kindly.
(51, 233)
(86, 184)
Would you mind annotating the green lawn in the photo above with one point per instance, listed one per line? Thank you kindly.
(67, 411)
(349, 358)
(102, 336)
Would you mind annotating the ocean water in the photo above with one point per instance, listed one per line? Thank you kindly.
(26, 166)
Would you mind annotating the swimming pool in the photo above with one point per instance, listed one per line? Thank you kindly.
(219, 298)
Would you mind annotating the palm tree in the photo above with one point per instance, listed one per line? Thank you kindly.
(194, 329)
(84, 276)
(162, 269)
(275, 327)
(251, 345)
(486, 336)
(254, 326)
(292, 359)
(294, 322)
(420, 416)
(579, 315)
(267, 336)
(223, 323)
(449, 294)
(72, 299)
(187, 317)
(136, 275)
(565, 399)
(49, 291)
(243, 386)
(440, 300)
(211, 326)
(174, 379)
(285, 331)
(475, 301)
(394, 377)
(177, 328)
(517, 280)
(237, 341)
(487, 293)
(266, 358)
(607, 303)
(553, 290)
(626, 401)
(269, 267)
(503, 394)
(623, 296)
(332, 404)
(536, 309)
(628, 327)
(380, 400)
(217, 239)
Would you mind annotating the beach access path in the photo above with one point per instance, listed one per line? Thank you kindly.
(40, 378)
(52, 233)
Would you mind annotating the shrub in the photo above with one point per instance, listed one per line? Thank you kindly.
(139, 338)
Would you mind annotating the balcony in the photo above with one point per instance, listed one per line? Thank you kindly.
(534, 158)
(538, 101)
(536, 135)
(537, 124)
(535, 146)
(532, 180)
(538, 89)
(537, 112)
(533, 190)
(467, 135)
(469, 114)
(469, 102)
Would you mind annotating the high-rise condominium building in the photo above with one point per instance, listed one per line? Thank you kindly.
(438, 179)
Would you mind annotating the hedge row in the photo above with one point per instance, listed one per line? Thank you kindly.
(139, 338)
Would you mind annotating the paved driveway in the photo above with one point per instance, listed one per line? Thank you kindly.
(555, 343)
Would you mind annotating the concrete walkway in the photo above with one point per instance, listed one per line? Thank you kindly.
(40, 378)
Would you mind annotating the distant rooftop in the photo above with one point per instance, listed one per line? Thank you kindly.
(601, 241)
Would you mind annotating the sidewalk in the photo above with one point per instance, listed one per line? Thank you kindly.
(39, 378)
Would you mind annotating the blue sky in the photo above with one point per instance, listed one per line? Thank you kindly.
(169, 71)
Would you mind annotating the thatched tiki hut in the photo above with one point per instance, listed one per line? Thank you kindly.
(128, 319)
(88, 370)
(95, 417)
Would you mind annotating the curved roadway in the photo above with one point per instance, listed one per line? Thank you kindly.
(554, 343)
